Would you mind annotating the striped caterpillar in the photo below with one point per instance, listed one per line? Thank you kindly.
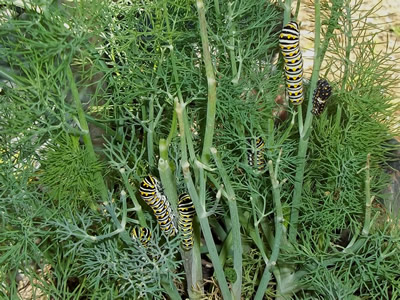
(289, 43)
(151, 192)
(258, 155)
(142, 234)
(186, 213)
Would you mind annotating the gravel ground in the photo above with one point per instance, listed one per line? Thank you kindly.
(386, 19)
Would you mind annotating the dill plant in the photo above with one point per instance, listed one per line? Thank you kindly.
(73, 179)
(97, 95)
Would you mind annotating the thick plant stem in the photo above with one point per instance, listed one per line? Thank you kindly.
(368, 199)
(86, 136)
(305, 132)
(200, 212)
(287, 12)
(205, 227)
(195, 258)
(192, 264)
(212, 84)
(237, 243)
(298, 186)
(276, 188)
(167, 178)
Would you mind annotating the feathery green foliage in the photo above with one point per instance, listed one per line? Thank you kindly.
(68, 172)
(95, 95)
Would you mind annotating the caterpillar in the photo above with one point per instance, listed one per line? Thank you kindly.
(289, 43)
(186, 213)
(259, 155)
(321, 94)
(152, 193)
(143, 234)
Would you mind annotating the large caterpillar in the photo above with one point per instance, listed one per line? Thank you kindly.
(321, 94)
(143, 234)
(258, 156)
(289, 43)
(151, 192)
(186, 213)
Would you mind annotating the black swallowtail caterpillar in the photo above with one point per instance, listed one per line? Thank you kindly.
(258, 156)
(152, 193)
(143, 234)
(186, 213)
(321, 94)
(289, 43)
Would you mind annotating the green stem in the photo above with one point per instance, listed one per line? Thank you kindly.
(305, 132)
(194, 270)
(254, 234)
(298, 186)
(150, 151)
(278, 232)
(219, 231)
(231, 40)
(296, 14)
(86, 136)
(107, 129)
(82, 234)
(216, 5)
(237, 243)
(170, 289)
(200, 211)
(348, 35)
(300, 118)
(172, 131)
(188, 134)
(287, 12)
(212, 84)
(368, 199)
(172, 52)
(333, 23)
(196, 267)
(167, 178)
(285, 135)
(205, 227)
(244, 221)
(138, 207)
(271, 134)
(227, 245)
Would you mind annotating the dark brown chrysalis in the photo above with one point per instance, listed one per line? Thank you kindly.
(321, 94)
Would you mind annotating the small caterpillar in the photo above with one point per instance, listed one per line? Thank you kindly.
(186, 213)
(258, 156)
(289, 43)
(321, 94)
(152, 193)
(143, 234)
